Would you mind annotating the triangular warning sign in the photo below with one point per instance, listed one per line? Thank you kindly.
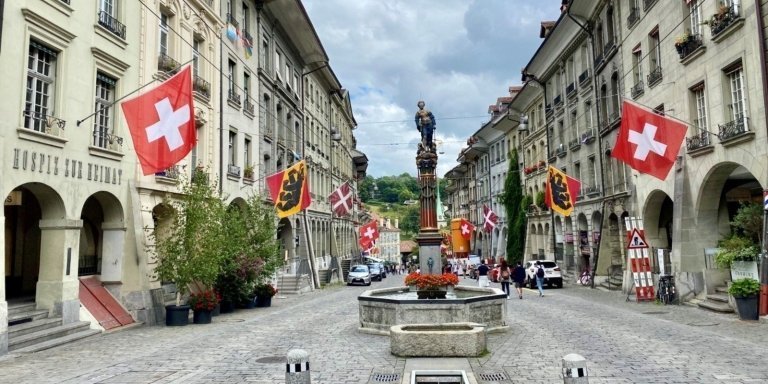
(636, 240)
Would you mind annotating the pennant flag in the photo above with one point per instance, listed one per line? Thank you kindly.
(162, 123)
(648, 142)
(561, 192)
(341, 200)
(231, 33)
(290, 190)
(368, 234)
(490, 219)
(466, 229)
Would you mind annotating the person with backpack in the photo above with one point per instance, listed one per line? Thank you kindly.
(504, 277)
(540, 278)
(518, 276)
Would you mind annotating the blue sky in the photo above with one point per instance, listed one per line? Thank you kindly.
(458, 56)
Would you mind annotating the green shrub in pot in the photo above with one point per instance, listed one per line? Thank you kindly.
(746, 287)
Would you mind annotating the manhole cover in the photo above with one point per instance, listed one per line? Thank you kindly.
(137, 377)
(655, 313)
(271, 359)
(703, 324)
(492, 376)
(231, 320)
(385, 378)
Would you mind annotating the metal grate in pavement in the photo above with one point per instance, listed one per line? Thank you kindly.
(655, 313)
(271, 359)
(385, 378)
(493, 377)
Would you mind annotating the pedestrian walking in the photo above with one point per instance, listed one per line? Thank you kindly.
(540, 278)
(518, 276)
(505, 277)
(482, 275)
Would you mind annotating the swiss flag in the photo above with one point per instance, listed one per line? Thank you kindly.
(466, 229)
(341, 200)
(648, 142)
(369, 233)
(490, 219)
(162, 123)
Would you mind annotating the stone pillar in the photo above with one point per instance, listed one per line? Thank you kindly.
(575, 369)
(57, 284)
(429, 238)
(3, 302)
(297, 367)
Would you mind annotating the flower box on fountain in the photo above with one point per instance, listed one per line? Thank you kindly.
(431, 286)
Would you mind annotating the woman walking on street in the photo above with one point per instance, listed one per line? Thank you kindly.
(504, 277)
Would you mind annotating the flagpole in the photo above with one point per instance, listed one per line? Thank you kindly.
(107, 106)
(650, 109)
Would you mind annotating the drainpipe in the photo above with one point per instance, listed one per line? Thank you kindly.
(221, 118)
(763, 309)
(600, 153)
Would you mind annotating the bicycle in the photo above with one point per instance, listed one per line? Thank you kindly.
(585, 278)
(666, 293)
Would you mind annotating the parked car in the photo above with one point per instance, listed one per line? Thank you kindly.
(552, 274)
(359, 274)
(376, 271)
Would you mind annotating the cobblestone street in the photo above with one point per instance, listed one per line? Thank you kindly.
(623, 342)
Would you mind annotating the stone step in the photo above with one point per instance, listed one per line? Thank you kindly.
(716, 306)
(70, 338)
(46, 335)
(27, 306)
(718, 297)
(33, 326)
(27, 316)
(722, 289)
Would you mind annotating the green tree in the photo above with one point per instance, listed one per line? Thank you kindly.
(514, 204)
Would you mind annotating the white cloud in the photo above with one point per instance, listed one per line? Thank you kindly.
(457, 55)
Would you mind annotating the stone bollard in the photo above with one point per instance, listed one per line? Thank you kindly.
(297, 367)
(574, 369)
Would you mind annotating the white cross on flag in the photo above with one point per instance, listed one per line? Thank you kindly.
(341, 200)
(368, 234)
(466, 228)
(647, 141)
(490, 219)
(162, 123)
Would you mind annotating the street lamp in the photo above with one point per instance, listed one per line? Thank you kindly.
(335, 138)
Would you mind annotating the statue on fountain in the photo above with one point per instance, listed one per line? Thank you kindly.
(425, 123)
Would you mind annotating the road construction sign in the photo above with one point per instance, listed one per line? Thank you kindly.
(636, 239)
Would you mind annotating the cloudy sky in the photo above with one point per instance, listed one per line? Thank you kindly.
(456, 55)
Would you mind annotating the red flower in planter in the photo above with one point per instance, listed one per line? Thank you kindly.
(204, 301)
(431, 281)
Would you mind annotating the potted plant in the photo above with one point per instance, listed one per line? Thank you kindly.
(431, 286)
(189, 249)
(203, 303)
(680, 41)
(264, 293)
(248, 172)
(739, 251)
(745, 293)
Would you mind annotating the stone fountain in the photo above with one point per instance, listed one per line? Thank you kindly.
(415, 325)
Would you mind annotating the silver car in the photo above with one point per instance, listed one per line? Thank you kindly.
(359, 274)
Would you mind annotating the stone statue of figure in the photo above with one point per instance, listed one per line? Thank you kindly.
(425, 123)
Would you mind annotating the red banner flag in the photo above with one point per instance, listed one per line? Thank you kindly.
(162, 123)
(341, 200)
(490, 219)
(290, 190)
(647, 141)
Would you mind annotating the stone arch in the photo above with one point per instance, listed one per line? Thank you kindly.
(657, 219)
(569, 243)
(102, 238)
(582, 239)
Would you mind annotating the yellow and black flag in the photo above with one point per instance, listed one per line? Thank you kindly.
(289, 189)
(562, 191)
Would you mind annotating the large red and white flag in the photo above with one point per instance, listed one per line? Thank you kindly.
(368, 234)
(489, 219)
(289, 189)
(466, 228)
(162, 123)
(341, 200)
(647, 141)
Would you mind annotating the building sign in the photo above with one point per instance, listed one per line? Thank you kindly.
(744, 270)
(14, 198)
(40, 162)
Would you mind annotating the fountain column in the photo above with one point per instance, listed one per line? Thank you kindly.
(429, 237)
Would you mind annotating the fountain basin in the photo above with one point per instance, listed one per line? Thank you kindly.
(437, 340)
(380, 309)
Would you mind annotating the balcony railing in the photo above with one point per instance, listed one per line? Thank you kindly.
(598, 60)
(655, 76)
(583, 77)
(169, 173)
(688, 45)
(201, 86)
(590, 190)
(574, 144)
(107, 21)
(634, 16)
(248, 106)
(233, 96)
(167, 64)
(588, 136)
(232, 20)
(647, 4)
(732, 129)
(722, 20)
(41, 122)
(570, 90)
(233, 170)
(247, 36)
(558, 101)
(700, 140)
(560, 151)
(637, 89)
(609, 46)
(107, 140)
(548, 110)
